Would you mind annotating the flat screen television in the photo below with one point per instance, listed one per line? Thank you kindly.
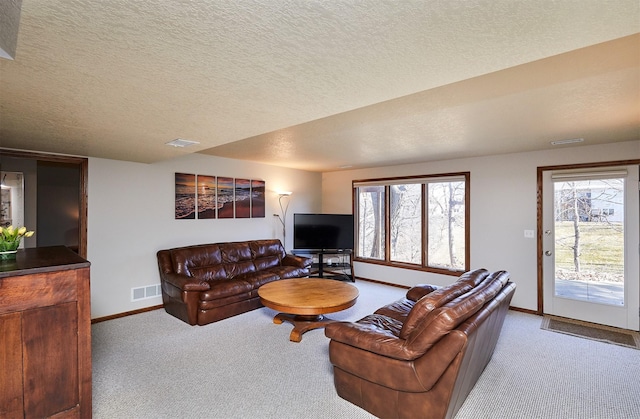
(322, 231)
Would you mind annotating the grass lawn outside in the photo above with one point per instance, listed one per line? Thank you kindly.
(601, 251)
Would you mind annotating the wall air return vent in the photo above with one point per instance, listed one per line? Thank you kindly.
(143, 293)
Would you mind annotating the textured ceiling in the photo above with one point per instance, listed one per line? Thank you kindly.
(320, 84)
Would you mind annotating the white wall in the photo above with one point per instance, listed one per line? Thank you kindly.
(503, 205)
(131, 217)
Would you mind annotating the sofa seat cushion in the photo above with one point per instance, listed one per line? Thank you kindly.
(382, 323)
(209, 273)
(398, 310)
(374, 333)
(226, 288)
(266, 262)
(257, 279)
(286, 272)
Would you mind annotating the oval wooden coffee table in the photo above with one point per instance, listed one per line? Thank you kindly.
(303, 301)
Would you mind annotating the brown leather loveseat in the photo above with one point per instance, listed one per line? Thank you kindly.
(420, 356)
(205, 283)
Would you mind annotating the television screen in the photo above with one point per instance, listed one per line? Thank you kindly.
(322, 231)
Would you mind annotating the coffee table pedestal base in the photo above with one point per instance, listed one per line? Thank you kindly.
(301, 324)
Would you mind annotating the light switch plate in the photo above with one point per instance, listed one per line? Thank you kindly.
(529, 234)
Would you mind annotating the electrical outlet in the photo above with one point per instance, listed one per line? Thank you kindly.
(529, 234)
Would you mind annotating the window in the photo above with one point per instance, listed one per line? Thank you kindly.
(370, 222)
(417, 222)
(405, 204)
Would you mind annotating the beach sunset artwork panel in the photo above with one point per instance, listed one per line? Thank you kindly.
(185, 191)
(207, 203)
(257, 198)
(243, 198)
(224, 200)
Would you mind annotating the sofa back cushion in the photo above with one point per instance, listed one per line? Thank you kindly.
(439, 297)
(202, 262)
(266, 253)
(236, 258)
(221, 261)
(442, 320)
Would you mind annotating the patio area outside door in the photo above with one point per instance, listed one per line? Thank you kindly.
(591, 245)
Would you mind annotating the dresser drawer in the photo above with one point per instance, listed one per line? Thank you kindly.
(29, 291)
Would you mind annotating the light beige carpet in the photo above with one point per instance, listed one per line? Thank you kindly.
(592, 331)
(154, 366)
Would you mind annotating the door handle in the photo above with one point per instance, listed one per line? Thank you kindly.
(548, 253)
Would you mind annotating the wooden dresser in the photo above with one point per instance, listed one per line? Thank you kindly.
(45, 335)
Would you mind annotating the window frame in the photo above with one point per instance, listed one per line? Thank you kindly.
(423, 180)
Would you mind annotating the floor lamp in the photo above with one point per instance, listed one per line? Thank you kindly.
(283, 211)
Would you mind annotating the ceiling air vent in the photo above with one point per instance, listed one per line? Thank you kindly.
(179, 142)
(568, 141)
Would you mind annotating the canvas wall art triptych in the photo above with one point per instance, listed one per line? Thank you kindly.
(206, 197)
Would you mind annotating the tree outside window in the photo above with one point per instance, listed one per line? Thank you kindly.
(371, 222)
(406, 222)
(418, 222)
(446, 229)
(589, 226)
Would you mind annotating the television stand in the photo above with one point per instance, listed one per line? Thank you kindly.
(327, 266)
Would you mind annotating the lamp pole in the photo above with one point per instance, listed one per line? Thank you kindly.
(283, 211)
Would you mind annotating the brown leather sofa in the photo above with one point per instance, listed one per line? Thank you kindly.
(205, 283)
(420, 356)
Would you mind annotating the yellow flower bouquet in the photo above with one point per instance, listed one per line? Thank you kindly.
(10, 239)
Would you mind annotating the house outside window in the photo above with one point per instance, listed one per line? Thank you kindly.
(590, 201)
(414, 222)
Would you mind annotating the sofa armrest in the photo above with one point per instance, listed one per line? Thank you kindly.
(185, 283)
(419, 291)
(370, 338)
(297, 261)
